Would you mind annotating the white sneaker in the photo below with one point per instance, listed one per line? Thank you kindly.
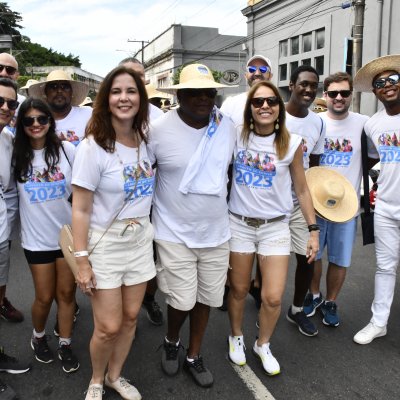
(124, 388)
(95, 391)
(269, 362)
(369, 333)
(236, 350)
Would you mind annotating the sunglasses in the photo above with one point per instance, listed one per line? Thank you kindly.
(11, 104)
(334, 93)
(41, 120)
(381, 82)
(262, 68)
(9, 70)
(258, 102)
(211, 93)
(56, 86)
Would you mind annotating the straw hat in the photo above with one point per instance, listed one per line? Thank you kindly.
(259, 57)
(29, 83)
(194, 76)
(333, 195)
(152, 92)
(366, 74)
(87, 102)
(79, 89)
(319, 105)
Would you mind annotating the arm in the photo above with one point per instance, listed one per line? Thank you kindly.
(81, 212)
(306, 204)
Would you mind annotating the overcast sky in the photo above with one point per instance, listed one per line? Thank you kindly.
(96, 30)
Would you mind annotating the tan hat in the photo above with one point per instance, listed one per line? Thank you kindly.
(194, 76)
(79, 89)
(366, 74)
(333, 195)
(87, 102)
(152, 92)
(29, 83)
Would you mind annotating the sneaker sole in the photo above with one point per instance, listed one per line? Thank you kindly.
(187, 370)
(152, 320)
(15, 371)
(328, 324)
(273, 373)
(301, 330)
(11, 320)
(370, 341)
(139, 397)
(38, 359)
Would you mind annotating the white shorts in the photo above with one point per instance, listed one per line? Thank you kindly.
(298, 232)
(187, 276)
(123, 259)
(270, 239)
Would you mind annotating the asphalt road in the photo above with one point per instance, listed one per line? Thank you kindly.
(328, 366)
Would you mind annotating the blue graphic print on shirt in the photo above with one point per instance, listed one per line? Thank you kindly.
(336, 153)
(389, 148)
(145, 175)
(69, 136)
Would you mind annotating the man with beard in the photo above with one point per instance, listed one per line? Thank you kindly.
(381, 76)
(300, 120)
(343, 128)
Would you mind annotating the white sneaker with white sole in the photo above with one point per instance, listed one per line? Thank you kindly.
(369, 333)
(236, 350)
(269, 362)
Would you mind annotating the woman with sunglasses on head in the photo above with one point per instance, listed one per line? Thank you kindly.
(113, 239)
(267, 159)
(42, 170)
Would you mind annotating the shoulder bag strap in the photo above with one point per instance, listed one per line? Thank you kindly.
(364, 157)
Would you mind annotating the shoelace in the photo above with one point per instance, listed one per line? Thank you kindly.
(95, 392)
(66, 352)
(171, 349)
(198, 365)
(124, 383)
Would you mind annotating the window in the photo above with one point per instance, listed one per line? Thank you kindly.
(283, 48)
(294, 42)
(283, 72)
(307, 41)
(307, 61)
(319, 64)
(293, 66)
(320, 38)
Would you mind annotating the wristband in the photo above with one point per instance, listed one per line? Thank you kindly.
(82, 253)
(313, 227)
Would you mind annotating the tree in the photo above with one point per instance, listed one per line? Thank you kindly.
(9, 22)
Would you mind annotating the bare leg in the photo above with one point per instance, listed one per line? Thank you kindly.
(198, 323)
(176, 318)
(335, 277)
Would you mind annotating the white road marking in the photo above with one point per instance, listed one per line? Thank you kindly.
(254, 384)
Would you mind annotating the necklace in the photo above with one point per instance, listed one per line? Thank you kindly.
(263, 135)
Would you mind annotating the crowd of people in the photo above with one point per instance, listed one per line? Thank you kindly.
(188, 201)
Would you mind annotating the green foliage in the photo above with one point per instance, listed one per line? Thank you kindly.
(175, 78)
(9, 22)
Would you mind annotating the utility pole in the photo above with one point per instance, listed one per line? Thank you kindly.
(358, 29)
(142, 42)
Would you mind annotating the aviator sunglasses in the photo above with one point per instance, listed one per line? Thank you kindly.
(41, 120)
(262, 68)
(334, 93)
(258, 102)
(9, 70)
(11, 104)
(381, 82)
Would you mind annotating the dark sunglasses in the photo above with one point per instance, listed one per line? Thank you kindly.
(9, 70)
(56, 86)
(211, 93)
(11, 104)
(334, 93)
(381, 82)
(258, 102)
(41, 119)
(262, 68)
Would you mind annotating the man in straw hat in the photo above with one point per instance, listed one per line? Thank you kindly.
(381, 76)
(193, 146)
(156, 98)
(342, 153)
(300, 120)
(64, 95)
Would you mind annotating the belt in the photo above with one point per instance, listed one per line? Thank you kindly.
(257, 222)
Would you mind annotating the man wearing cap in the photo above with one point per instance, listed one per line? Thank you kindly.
(300, 120)
(342, 153)
(193, 146)
(381, 76)
(64, 95)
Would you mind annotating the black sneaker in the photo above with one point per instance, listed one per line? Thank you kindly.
(170, 357)
(42, 351)
(154, 313)
(9, 312)
(200, 374)
(68, 360)
(6, 393)
(224, 306)
(256, 293)
(306, 327)
(11, 364)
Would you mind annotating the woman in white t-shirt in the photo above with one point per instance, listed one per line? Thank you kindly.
(113, 186)
(42, 170)
(267, 160)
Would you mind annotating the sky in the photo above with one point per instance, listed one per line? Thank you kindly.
(98, 30)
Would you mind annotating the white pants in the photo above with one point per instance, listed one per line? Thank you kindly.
(387, 248)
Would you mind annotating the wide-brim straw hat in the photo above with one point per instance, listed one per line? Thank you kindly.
(194, 76)
(29, 83)
(152, 92)
(79, 89)
(366, 74)
(333, 195)
(86, 102)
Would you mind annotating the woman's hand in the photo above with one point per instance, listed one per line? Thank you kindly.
(85, 278)
(312, 246)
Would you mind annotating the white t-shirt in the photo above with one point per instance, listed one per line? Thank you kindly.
(384, 132)
(261, 186)
(342, 150)
(43, 201)
(154, 112)
(196, 220)
(233, 107)
(112, 178)
(72, 127)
